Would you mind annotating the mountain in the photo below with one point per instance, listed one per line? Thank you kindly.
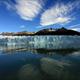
(61, 31)
(48, 31)
(23, 33)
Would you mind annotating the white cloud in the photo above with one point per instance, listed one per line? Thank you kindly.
(8, 3)
(58, 14)
(75, 27)
(28, 9)
(22, 27)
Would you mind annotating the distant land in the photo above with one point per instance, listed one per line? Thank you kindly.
(48, 31)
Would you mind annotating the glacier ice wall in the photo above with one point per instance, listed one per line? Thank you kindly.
(48, 42)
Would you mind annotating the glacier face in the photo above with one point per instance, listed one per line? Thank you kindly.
(48, 42)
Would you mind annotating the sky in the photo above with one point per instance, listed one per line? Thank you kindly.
(34, 15)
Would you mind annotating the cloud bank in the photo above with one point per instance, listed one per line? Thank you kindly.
(28, 9)
(58, 14)
(8, 4)
(75, 27)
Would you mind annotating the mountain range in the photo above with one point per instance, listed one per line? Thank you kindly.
(48, 31)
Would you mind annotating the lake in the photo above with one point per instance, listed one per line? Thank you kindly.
(40, 58)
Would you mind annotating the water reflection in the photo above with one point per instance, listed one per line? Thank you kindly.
(22, 65)
(10, 48)
(49, 69)
(29, 72)
(58, 70)
(26, 62)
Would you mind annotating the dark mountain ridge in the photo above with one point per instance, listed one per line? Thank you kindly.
(61, 31)
(48, 31)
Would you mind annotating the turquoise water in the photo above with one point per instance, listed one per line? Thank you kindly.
(18, 62)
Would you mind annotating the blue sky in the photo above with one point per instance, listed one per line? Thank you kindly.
(33, 15)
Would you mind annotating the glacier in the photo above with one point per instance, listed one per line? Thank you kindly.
(46, 42)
